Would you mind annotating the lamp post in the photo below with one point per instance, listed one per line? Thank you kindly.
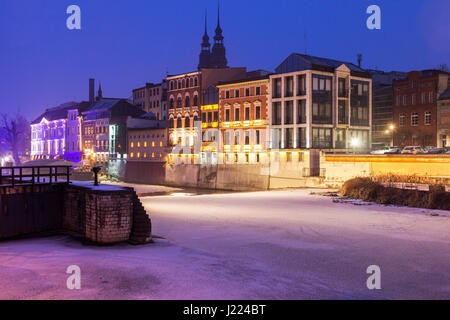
(390, 130)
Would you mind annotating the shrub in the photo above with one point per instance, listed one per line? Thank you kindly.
(368, 190)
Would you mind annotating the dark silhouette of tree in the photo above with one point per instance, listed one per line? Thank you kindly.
(14, 136)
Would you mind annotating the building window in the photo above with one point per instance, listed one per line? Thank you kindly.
(414, 119)
(247, 92)
(276, 88)
(237, 113)
(288, 138)
(431, 97)
(402, 120)
(414, 99)
(405, 100)
(301, 111)
(247, 137)
(236, 93)
(247, 113)
(322, 138)
(289, 87)
(276, 113)
(216, 116)
(424, 98)
(187, 102)
(258, 91)
(428, 118)
(257, 137)
(227, 115)
(398, 100)
(227, 94)
(301, 82)
(196, 100)
(289, 112)
(237, 138)
(257, 112)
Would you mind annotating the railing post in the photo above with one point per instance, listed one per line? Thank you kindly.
(50, 174)
(12, 176)
(20, 175)
(56, 174)
(68, 174)
(32, 176)
(39, 174)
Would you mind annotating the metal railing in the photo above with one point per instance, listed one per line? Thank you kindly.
(31, 175)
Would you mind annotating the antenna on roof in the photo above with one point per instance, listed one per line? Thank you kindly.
(359, 55)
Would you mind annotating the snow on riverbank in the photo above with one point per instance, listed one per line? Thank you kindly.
(260, 245)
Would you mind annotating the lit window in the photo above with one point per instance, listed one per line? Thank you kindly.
(132, 155)
(132, 145)
(145, 144)
(160, 155)
(153, 155)
(145, 155)
(160, 143)
(139, 145)
(427, 118)
(414, 119)
(153, 143)
(138, 154)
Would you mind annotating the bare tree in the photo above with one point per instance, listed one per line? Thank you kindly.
(14, 135)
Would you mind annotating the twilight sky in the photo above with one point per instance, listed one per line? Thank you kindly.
(125, 43)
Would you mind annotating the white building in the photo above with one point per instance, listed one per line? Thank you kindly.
(318, 103)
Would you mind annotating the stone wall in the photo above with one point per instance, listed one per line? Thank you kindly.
(104, 214)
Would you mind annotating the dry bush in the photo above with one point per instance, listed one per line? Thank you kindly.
(367, 190)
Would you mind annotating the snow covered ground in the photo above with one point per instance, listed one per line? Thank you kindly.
(260, 245)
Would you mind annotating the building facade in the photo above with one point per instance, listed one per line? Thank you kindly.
(383, 105)
(415, 107)
(57, 133)
(152, 98)
(443, 122)
(318, 103)
(242, 119)
(147, 144)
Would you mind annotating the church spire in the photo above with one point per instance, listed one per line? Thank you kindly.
(100, 93)
(205, 54)
(218, 55)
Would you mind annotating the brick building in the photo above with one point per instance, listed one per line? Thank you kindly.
(415, 107)
(242, 118)
(152, 98)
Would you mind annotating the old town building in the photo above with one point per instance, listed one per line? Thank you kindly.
(415, 107)
(242, 118)
(320, 103)
(152, 99)
(443, 123)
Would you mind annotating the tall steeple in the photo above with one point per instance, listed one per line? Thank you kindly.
(218, 58)
(100, 93)
(205, 54)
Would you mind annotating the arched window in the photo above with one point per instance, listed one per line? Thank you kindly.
(171, 85)
(195, 119)
(183, 84)
(187, 101)
(196, 81)
(179, 102)
(187, 83)
(171, 103)
(196, 100)
(179, 125)
(171, 123)
(187, 121)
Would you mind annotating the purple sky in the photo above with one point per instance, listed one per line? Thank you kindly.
(125, 43)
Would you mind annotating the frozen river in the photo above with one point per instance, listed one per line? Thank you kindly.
(261, 245)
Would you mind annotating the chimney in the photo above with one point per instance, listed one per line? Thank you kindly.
(359, 59)
(91, 90)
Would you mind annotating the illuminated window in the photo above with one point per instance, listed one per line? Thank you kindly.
(160, 143)
(138, 154)
(145, 155)
(153, 155)
(160, 155)
(132, 145)
(139, 145)
(153, 143)
(132, 155)
(145, 144)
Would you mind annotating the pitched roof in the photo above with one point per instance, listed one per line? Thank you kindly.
(292, 63)
(60, 112)
(103, 104)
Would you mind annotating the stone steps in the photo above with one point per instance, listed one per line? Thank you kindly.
(141, 231)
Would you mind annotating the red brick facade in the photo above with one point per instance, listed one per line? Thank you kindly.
(415, 108)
